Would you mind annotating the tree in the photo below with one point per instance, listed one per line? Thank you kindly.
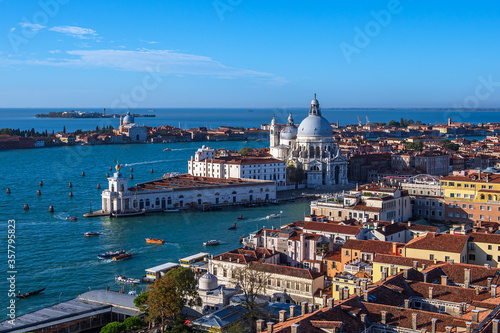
(252, 280)
(416, 145)
(133, 323)
(114, 327)
(296, 175)
(64, 129)
(187, 287)
(164, 302)
(141, 301)
(244, 151)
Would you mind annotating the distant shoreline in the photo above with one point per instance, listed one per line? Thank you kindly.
(85, 115)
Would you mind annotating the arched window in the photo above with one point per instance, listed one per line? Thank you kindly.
(181, 196)
(157, 202)
(141, 204)
(234, 192)
(311, 152)
(251, 191)
(147, 203)
(318, 152)
(199, 195)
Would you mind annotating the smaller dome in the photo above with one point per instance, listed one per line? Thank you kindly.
(274, 121)
(208, 282)
(128, 119)
(289, 132)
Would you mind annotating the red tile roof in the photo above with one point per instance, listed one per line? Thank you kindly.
(439, 242)
(370, 246)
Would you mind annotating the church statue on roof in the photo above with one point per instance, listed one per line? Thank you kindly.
(310, 147)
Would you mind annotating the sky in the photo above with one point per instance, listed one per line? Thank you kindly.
(249, 54)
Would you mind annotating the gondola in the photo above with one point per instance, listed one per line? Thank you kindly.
(232, 228)
(30, 293)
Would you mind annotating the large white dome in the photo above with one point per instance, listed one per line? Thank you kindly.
(289, 132)
(128, 119)
(315, 126)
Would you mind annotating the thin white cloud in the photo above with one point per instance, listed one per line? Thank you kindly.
(12, 29)
(163, 61)
(77, 32)
(148, 42)
(30, 27)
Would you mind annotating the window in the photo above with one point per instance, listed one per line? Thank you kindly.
(446, 258)
(472, 246)
(459, 184)
(489, 247)
(472, 196)
(472, 257)
(488, 208)
(471, 216)
(472, 185)
(464, 206)
(431, 257)
(490, 187)
(489, 257)
(481, 217)
(481, 207)
(451, 184)
(471, 206)
(483, 186)
(464, 215)
(450, 214)
(457, 214)
(466, 196)
(297, 286)
(466, 185)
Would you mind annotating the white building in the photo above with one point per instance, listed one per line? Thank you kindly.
(134, 131)
(310, 147)
(182, 191)
(204, 164)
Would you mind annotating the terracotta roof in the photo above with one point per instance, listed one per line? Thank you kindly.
(484, 238)
(370, 246)
(245, 256)
(439, 242)
(421, 227)
(401, 261)
(287, 270)
(456, 273)
(331, 227)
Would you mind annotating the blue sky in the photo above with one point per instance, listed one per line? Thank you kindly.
(249, 54)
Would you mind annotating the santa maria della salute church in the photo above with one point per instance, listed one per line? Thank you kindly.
(310, 147)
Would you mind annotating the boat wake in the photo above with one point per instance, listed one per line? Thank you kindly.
(179, 149)
(151, 162)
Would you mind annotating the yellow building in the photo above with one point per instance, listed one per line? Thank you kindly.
(394, 264)
(472, 196)
(484, 249)
(440, 247)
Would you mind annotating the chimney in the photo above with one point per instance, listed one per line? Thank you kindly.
(325, 300)
(292, 311)
(431, 289)
(311, 308)
(451, 261)
(490, 279)
(468, 327)
(475, 316)
(384, 274)
(394, 270)
(405, 274)
(493, 291)
(261, 325)
(477, 291)
(331, 302)
(270, 327)
(409, 223)
(366, 296)
(444, 280)
(415, 265)
(358, 291)
(433, 325)
(346, 293)
(282, 316)
(383, 313)
(448, 329)
(425, 277)
(364, 284)
(487, 266)
(363, 318)
(294, 328)
(407, 303)
(414, 317)
(466, 278)
(303, 307)
(494, 324)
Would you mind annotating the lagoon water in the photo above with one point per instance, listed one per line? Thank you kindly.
(53, 252)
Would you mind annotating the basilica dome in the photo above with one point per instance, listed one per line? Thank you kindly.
(315, 124)
(208, 282)
(128, 119)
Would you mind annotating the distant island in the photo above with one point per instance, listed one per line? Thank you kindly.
(84, 114)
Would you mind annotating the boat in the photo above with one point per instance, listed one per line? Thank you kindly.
(91, 233)
(171, 210)
(232, 228)
(110, 254)
(155, 241)
(128, 214)
(273, 216)
(123, 279)
(30, 293)
(167, 149)
(71, 218)
(240, 217)
(122, 256)
(211, 243)
(242, 238)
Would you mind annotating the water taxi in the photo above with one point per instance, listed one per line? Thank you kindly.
(123, 279)
(211, 243)
(167, 149)
(171, 210)
(273, 216)
(155, 241)
(122, 256)
(91, 233)
(71, 218)
(110, 254)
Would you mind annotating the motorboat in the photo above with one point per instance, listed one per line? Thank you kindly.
(171, 210)
(240, 217)
(123, 279)
(122, 256)
(232, 227)
(273, 216)
(211, 243)
(128, 214)
(71, 218)
(110, 254)
(167, 149)
(155, 241)
(91, 233)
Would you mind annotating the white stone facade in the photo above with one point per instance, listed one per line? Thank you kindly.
(310, 147)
